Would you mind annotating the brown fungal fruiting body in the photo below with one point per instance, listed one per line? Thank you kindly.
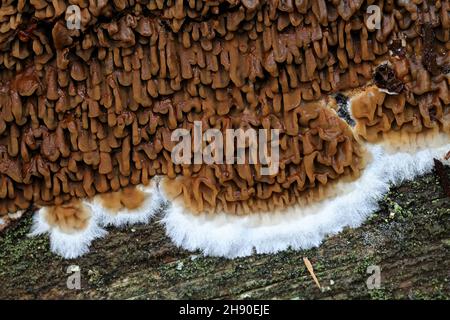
(128, 197)
(393, 118)
(320, 150)
(92, 110)
(70, 217)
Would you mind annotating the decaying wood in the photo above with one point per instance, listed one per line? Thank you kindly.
(408, 238)
(443, 177)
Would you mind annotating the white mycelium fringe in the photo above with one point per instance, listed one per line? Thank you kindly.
(67, 245)
(143, 214)
(235, 236)
(16, 215)
(73, 245)
(298, 228)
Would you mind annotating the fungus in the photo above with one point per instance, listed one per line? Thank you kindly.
(87, 116)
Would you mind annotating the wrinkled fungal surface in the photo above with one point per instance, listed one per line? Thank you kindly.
(91, 110)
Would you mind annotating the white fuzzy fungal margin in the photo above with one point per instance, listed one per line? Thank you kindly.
(124, 217)
(298, 228)
(73, 245)
(67, 245)
(233, 236)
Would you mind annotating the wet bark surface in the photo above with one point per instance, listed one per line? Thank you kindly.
(408, 238)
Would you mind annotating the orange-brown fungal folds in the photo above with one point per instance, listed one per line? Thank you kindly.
(316, 149)
(249, 117)
(71, 216)
(128, 197)
(390, 120)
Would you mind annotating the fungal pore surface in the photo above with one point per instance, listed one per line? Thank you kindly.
(98, 98)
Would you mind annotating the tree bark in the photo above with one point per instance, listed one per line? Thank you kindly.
(408, 239)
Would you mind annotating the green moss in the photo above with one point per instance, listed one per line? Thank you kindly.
(95, 277)
(364, 262)
(380, 294)
(446, 243)
(18, 252)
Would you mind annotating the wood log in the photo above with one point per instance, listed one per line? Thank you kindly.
(408, 238)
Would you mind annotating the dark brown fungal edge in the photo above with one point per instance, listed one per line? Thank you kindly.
(444, 180)
(385, 78)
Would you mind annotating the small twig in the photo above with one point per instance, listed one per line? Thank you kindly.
(447, 156)
(443, 177)
(311, 271)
